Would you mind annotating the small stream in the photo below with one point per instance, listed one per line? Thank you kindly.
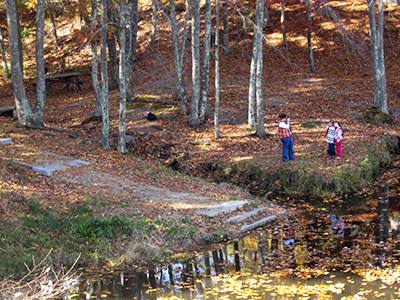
(341, 250)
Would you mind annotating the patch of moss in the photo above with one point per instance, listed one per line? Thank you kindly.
(311, 124)
(374, 117)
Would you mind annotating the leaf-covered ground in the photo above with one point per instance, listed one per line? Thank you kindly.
(341, 89)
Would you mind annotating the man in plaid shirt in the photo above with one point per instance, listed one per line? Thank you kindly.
(285, 134)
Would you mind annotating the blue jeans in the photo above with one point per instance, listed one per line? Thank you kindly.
(331, 149)
(287, 149)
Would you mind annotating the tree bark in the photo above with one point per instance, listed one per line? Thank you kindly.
(178, 54)
(309, 37)
(40, 64)
(122, 78)
(251, 118)
(260, 128)
(3, 53)
(113, 61)
(194, 117)
(382, 104)
(283, 25)
(24, 111)
(377, 55)
(132, 30)
(225, 21)
(104, 78)
(217, 73)
(154, 11)
(206, 65)
(95, 63)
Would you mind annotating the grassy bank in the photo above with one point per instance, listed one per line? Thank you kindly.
(83, 230)
(307, 178)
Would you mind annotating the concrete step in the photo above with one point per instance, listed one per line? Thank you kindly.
(258, 223)
(243, 216)
(221, 209)
(6, 141)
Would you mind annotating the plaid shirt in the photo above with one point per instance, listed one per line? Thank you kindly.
(284, 130)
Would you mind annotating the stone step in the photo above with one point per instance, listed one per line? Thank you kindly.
(221, 209)
(6, 141)
(49, 169)
(243, 216)
(258, 223)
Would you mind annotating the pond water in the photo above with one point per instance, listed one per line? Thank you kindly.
(330, 252)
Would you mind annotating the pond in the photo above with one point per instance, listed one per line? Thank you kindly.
(342, 250)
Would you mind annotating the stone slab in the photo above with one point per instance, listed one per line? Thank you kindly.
(49, 169)
(221, 209)
(6, 141)
(243, 216)
(258, 223)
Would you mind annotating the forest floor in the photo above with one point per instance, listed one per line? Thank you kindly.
(340, 90)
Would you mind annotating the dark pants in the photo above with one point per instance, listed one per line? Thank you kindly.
(287, 149)
(331, 149)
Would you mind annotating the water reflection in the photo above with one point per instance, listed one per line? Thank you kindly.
(329, 256)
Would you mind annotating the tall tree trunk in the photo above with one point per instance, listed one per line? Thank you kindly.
(206, 65)
(132, 30)
(113, 61)
(104, 78)
(374, 50)
(24, 111)
(260, 128)
(122, 78)
(225, 21)
(95, 62)
(154, 12)
(251, 118)
(40, 64)
(3, 53)
(382, 104)
(20, 45)
(309, 37)
(51, 10)
(194, 116)
(178, 55)
(283, 25)
(217, 75)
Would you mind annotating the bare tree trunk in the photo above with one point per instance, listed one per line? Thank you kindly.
(382, 103)
(3, 53)
(267, 19)
(206, 65)
(260, 129)
(132, 30)
(154, 11)
(283, 26)
(122, 78)
(20, 45)
(217, 75)
(104, 79)
(40, 64)
(24, 111)
(374, 50)
(51, 9)
(178, 54)
(194, 116)
(95, 62)
(113, 61)
(309, 37)
(225, 21)
(251, 118)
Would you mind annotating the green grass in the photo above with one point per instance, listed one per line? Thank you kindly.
(79, 230)
(311, 124)
(306, 179)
